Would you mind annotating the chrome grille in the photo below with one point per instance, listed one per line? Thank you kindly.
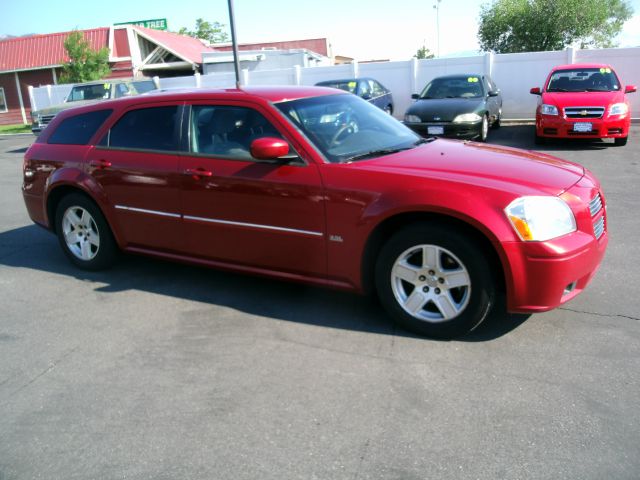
(595, 205)
(584, 112)
(45, 119)
(598, 227)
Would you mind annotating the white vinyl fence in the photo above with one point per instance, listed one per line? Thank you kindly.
(514, 74)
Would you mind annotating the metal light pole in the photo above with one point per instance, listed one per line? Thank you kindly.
(437, 7)
(234, 44)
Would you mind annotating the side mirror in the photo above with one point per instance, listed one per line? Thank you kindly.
(630, 89)
(269, 148)
(415, 96)
(366, 96)
(493, 93)
(535, 91)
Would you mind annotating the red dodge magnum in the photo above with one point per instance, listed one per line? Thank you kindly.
(583, 101)
(317, 186)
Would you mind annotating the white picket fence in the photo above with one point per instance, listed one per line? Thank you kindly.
(514, 74)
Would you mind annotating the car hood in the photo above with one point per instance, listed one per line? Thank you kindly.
(445, 109)
(582, 99)
(522, 172)
(63, 106)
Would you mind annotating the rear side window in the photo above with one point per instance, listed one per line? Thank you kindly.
(79, 129)
(153, 128)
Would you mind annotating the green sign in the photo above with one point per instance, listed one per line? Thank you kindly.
(156, 23)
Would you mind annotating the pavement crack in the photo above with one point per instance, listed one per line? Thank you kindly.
(51, 366)
(607, 315)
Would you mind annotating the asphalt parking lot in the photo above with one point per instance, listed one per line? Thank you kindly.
(153, 370)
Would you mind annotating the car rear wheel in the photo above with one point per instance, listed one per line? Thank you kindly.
(434, 281)
(484, 128)
(83, 232)
(620, 142)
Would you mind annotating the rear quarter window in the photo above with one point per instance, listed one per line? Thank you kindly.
(79, 129)
(153, 128)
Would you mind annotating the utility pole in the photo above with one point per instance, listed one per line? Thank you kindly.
(437, 8)
(236, 63)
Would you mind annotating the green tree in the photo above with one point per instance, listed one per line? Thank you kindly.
(423, 53)
(85, 64)
(510, 26)
(211, 32)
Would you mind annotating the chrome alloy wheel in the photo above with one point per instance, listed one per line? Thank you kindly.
(430, 283)
(80, 233)
(485, 128)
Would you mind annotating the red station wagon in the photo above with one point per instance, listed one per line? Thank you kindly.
(583, 101)
(317, 186)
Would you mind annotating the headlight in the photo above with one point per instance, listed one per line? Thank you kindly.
(540, 218)
(467, 117)
(412, 119)
(619, 109)
(549, 109)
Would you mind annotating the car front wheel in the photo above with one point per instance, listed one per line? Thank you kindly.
(434, 281)
(484, 129)
(83, 232)
(620, 142)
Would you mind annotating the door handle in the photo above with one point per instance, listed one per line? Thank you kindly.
(100, 163)
(198, 172)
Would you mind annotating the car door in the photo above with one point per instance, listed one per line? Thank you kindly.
(493, 103)
(236, 209)
(136, 166)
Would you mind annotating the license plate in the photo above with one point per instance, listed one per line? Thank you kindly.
(435, 130)
(582, 127)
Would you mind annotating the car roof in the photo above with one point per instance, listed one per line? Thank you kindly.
(341, 80)
(112, 81)
(272, 94)
(577, 66)
(459, 75)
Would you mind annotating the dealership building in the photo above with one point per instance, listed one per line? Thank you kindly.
(134, 51)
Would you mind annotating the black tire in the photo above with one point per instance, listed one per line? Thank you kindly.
(94, 229)
(537, 138)
(484, 128)
(474, 302)
(498, 121)
(620, 142)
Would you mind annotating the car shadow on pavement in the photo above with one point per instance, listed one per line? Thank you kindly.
(522, 136)
(34, 248)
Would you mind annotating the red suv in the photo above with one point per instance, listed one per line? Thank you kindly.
(583, 101)
(318, 186)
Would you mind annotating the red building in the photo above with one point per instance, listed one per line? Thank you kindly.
(133, 52)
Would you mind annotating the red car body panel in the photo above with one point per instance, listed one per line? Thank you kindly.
(312, 221)
(560, 126)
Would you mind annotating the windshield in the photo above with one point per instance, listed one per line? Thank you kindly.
(584, 80)
(89, 92)
(346, 85)
(346, 128)
(453, 87)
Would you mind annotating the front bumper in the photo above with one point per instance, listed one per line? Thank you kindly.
(559, 127)
(466, 131)
(547, 274)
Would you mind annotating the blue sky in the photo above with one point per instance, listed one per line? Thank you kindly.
(364, 29)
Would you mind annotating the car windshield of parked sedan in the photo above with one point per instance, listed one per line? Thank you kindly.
(89, 92)
(584, 80)
(453, 87)
(345, 128)
(346, 85)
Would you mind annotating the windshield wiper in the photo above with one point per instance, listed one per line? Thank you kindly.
(387, 151)
(557, 90)
(596, 90)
